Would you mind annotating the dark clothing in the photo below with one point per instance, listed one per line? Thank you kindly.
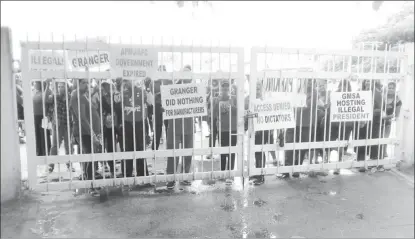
(261, 138)
(42, 145)
(362, 151)
(86, 149)
(187, 142)
(84, 117)
(305, 134)
(141, 165)
(225, 140)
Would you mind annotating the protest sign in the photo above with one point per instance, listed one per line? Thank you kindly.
(183, 100)
(91, 59)
(46, 60)
(351, 106)
(135, 62)
(273, 114)
(277, 88)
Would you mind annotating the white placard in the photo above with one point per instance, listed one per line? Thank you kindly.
(133, 62)
(91, 59)
(351, 106)
(46, 60)
(297, 99)
(183, 100)
(273, 114)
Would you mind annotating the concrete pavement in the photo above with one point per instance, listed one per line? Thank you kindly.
(349, 205)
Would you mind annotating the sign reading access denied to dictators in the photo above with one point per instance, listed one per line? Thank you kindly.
(273, 114)
(351, 106)
(183, 100)
(133, 62)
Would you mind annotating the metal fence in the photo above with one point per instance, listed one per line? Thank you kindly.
(86, 126)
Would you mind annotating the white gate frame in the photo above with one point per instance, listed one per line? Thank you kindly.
(34, 161)
(255, 74)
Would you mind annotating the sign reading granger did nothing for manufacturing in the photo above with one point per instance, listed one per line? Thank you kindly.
(135, 62)
(351, 106)
(184, 100)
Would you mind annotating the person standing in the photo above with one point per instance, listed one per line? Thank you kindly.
(225, 114)
(371, 129)
(60, 122)
(392, 109)
(179, 132)
(304, 130)
(134, 98)
(110, 120)
(82, 126)
(40, 110)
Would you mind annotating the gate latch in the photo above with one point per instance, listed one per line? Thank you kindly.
(251, 115)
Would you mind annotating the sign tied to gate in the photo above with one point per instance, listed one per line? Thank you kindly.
(132, 63)
(182, 101)
(351, 106)
(273, 114)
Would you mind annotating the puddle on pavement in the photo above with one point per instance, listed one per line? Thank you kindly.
(278, 217)
(259, 203)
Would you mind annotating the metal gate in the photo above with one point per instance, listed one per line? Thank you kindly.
(210, 65)
(306, 77)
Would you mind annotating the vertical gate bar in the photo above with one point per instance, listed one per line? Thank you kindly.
(81, 151)
(143, 111)
(182, 136)
(174, 120)
(43, 93)
(29, 119)
(344, 123)
(114, 146)
(395, 113)
(231, 162)
(403, 66)
(330, 122)
(193, 162)
(327, 101)
(310, 125)
(240, 101)
(102, 119)
(252, 83)
(212, 116)
(357, 125)
(68, 120)
(382, 125)
(373, 70)
(133, 96)
(153, 118)
(256, 97)
(123, 124)
(301, 121)
(93, 136)
(370, 123)
(55, 87)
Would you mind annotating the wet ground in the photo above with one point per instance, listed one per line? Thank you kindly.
(352, 204)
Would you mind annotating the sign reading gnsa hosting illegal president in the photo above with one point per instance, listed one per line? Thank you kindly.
(133, 62)
(351, 106)
(184, 100)
(273, 114)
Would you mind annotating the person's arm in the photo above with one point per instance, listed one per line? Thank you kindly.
(85, 126)
(398, 108)
(19, 99)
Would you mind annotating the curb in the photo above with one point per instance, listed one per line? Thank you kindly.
(407, 178)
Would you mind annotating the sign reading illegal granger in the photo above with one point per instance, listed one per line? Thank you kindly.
(351, 106)
(273, 114)
(135, 62)
(183, 100)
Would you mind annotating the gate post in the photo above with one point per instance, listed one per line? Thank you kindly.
(10, 147)
(407, 139)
